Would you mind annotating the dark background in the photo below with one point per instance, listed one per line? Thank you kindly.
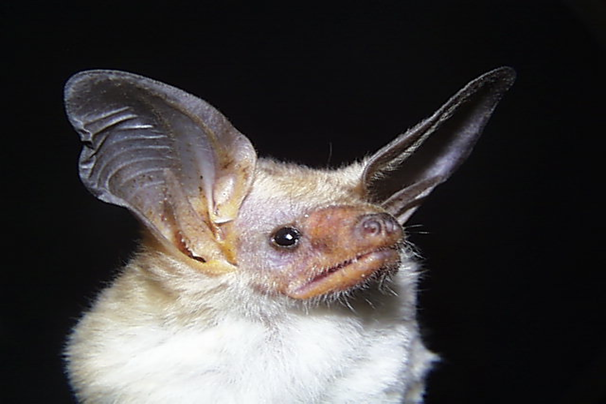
(513, 297)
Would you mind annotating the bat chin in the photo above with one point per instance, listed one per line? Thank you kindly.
(344, 275)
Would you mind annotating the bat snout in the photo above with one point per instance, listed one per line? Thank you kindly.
(347, 245)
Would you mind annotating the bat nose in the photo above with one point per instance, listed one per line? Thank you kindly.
(378, 225)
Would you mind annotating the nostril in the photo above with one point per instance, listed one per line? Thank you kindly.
(372, 226)
(379, 225)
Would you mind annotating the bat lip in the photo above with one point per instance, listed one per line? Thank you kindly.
(344, 275)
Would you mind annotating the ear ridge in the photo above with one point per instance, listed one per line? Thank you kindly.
(401, 174)
(148, 145)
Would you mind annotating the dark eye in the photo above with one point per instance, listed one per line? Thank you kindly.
(287, 237)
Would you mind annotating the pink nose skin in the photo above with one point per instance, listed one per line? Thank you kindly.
(378, 225)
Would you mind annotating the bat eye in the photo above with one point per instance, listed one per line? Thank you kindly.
(286, 237)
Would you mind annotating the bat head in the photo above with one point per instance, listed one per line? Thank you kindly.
(315, 232)
(196, 184)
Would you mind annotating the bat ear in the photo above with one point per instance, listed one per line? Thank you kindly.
(400, 175)
(169, 157)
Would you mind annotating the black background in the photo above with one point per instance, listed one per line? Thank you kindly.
(513, 297)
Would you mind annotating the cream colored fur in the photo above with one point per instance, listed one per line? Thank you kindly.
(166, 333)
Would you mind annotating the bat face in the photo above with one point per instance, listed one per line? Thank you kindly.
(322, 238)
(197, 185)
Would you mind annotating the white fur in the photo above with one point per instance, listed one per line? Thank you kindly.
(129, 349)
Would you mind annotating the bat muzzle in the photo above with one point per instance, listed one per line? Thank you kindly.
(347, 246)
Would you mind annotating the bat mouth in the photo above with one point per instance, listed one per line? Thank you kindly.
(346, 274)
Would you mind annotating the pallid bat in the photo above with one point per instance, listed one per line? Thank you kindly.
(256, 281)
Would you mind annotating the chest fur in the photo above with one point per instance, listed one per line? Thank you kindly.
(329, 355)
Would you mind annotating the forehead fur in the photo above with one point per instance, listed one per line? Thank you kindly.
(323, 186)
(283, 191)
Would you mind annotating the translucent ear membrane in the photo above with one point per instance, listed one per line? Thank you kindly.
(403, 173)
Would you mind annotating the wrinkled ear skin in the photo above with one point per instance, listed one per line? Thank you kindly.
(169, 157)
(401, 175)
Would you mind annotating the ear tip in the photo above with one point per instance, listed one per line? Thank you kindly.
(80, 80)
(84, 76)
(505, 75)
(79, 84)
(495, 82)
